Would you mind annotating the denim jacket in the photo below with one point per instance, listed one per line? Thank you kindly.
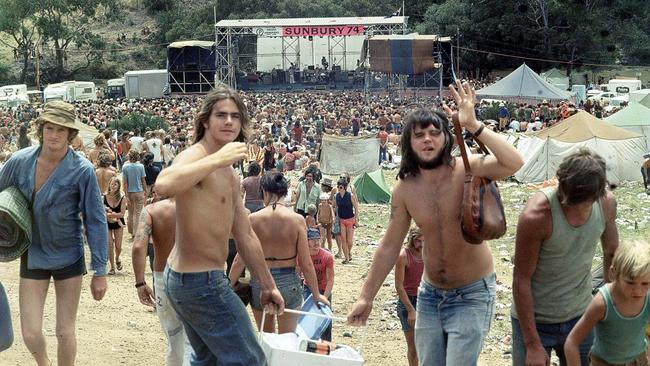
(67, 201)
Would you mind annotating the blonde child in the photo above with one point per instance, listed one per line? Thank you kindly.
(618, 313)
(310, 219)
(325, 219)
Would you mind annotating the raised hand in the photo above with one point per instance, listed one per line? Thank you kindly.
(465, 98)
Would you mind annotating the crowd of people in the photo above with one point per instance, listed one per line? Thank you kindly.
(168, 186)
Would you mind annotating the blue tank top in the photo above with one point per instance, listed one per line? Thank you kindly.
(344, 205)
(620, 339)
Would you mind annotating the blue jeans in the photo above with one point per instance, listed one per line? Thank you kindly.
(451, 324)
(553, 337)
(6, 330)
(327, 333)
(215, 320)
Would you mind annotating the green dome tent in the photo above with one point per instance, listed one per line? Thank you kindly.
(371, 188)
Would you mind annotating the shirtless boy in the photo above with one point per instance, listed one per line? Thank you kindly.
(158, 221)
(208, 209)
(456, 296)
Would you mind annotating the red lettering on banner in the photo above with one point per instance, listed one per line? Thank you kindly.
(329, 31)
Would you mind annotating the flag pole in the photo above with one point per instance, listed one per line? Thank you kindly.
(403, 9)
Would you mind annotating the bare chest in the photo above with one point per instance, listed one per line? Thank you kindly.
(435, 206)
(43, 171)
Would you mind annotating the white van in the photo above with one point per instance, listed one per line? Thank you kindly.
(13, 95)
(70, 91)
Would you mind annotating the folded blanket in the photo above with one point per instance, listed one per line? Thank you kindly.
(15, 224)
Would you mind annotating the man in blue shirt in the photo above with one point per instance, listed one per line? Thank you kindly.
(135, 185)
(65, 199)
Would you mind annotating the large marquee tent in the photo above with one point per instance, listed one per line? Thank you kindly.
(544, 150)
(524, 85)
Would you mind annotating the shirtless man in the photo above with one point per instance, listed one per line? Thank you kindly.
(104, 172)
(158, 220)
(456, 296)
(209, 208)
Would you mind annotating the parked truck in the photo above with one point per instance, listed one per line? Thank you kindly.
(115, 88)
(70, 91)
(623, 86)
(146, 83)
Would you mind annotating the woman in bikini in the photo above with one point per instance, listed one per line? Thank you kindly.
(115, 204)
(283, 235)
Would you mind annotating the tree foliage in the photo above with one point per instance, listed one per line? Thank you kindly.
(140, 121)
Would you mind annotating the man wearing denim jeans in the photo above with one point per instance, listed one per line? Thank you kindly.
(457, 292)
(555, 245)
(209, 209)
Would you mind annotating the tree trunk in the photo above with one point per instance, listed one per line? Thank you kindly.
(23, 72)
(59, 61)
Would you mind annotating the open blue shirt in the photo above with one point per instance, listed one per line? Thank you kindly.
(70, 194)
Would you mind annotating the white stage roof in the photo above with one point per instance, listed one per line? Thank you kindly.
(297, 22)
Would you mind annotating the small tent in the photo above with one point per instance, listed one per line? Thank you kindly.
(372, 188)
(557, 78)
(635, 117)
(544, 150)
(523, 85)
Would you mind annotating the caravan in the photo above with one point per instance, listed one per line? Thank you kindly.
(13, 95)
(70, 91)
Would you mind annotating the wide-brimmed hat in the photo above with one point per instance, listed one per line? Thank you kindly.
(326, 182)
(15, 224)
(60, 113)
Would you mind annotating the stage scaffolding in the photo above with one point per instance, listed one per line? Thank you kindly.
(225, 30)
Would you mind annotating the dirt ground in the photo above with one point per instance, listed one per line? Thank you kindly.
(120, 331)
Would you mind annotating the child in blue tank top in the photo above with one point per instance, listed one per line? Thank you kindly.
(618, 313)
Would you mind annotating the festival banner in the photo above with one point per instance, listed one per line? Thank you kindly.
(323, 31)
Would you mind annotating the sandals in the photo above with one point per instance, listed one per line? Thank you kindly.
(119, 265)
(111, 272)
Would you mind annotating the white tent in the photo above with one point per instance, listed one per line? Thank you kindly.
(635, 117)
(524, 85)
(544, 150)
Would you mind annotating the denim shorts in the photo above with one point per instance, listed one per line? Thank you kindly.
(403, 314)
(552, 337)
(287, 281)
(215, 320)
(451, 323)
(77, 268)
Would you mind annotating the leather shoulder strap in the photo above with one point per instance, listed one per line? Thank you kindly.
(458, 131)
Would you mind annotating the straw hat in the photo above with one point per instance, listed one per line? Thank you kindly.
(15, 225)
(60, 113)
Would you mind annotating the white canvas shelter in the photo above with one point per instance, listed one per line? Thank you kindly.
(544, 150)
(523, 85)
(354, 155)
(635, 117)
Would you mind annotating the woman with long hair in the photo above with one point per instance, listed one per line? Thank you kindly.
(408, 274)
(115, 207)
(347, 208)
(283, 235)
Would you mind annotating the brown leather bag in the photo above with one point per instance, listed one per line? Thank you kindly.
(482, 215)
